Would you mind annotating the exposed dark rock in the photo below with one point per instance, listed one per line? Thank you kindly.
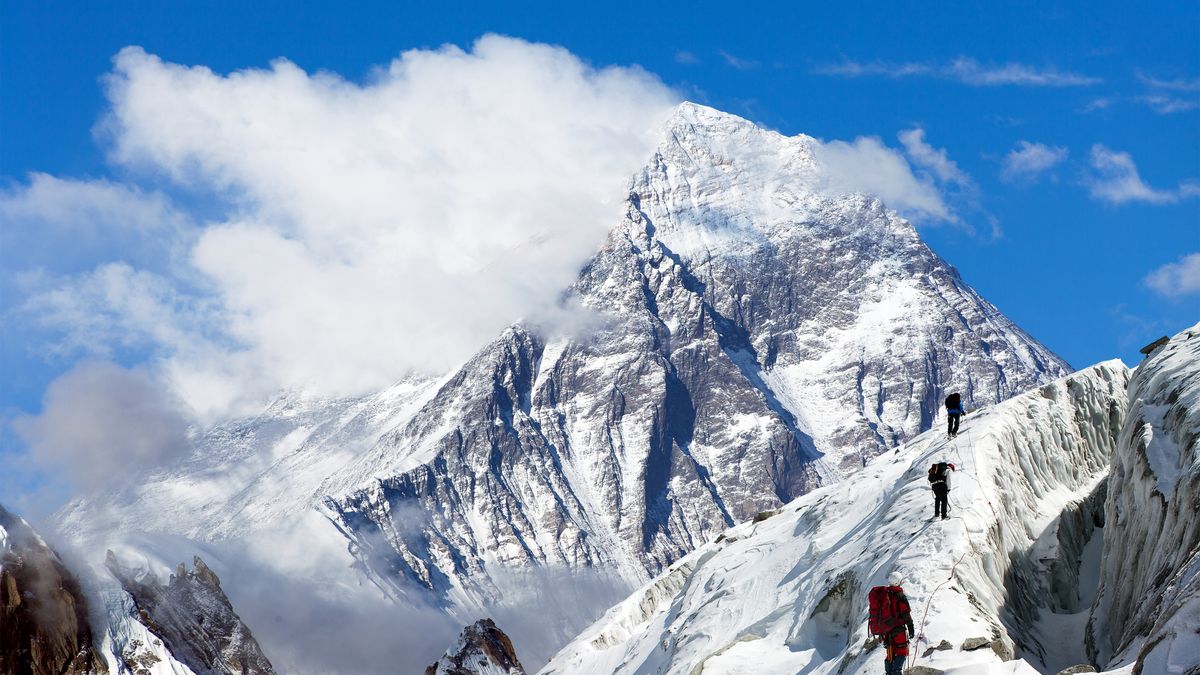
(44, 626)
(974, 643)
(194, 619)
(482, 646)
(1081, 668)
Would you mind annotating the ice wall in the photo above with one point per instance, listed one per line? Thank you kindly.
(1147, 609)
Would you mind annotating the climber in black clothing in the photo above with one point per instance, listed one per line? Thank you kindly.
(939, 480)
(953, 412)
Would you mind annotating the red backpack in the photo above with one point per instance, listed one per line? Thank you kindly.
(888, 610)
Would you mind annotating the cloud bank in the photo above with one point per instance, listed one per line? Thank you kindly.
(363, 230)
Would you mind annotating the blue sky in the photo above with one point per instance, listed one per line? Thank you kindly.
(1071, 136)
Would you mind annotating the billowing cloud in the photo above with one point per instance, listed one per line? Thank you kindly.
(100, 420)
(867, 165)
(1178, 278)
(370, 229)
(1029, 161)
(56, 224)
(965, 70)
(932, 159)
(1114, 179)
(355, 232)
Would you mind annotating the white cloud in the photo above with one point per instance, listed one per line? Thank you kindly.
(100, 420)
(1174, 84)
(686, 58)
(61, 224)
(932, 159)
(965, 70)
(1114, 179)
(867, 165)
(1166, 105)
(737, 61)
(116, 306)
(1169, 96)
(1028, 161)
(1177, 278)
(1100, 103)
(378, 228)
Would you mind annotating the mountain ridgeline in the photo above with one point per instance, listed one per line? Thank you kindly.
(752, 337)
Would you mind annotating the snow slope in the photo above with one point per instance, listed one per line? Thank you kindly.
(751, 335)
(1148, 607)
(786, 593)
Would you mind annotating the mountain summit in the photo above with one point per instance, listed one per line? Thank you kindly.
(751, 336)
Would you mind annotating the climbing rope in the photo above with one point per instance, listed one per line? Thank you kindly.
(972, 473)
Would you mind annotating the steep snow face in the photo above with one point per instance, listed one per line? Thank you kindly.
(788, 590)
(1147, 610)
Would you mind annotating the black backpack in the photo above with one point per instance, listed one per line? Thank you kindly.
(953, 401)
(937, 473)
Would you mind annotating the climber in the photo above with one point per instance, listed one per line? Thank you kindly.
(954, 410)
(939, 480)
(890, 616)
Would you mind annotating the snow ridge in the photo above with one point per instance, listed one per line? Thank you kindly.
(787, 591)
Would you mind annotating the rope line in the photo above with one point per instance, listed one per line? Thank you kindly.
(973, 474)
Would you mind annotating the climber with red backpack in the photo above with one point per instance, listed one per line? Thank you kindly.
(890, 621)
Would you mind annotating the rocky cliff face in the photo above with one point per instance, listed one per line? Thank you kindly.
(44, 623)
(482, 649)
(194, 619)
(1147, 609)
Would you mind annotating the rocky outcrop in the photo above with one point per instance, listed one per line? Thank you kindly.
(44, 624)
(194, 619)
(1147, 609)
(483, 649)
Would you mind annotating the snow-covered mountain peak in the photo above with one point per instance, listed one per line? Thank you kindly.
(761, 337)
(736, 182)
